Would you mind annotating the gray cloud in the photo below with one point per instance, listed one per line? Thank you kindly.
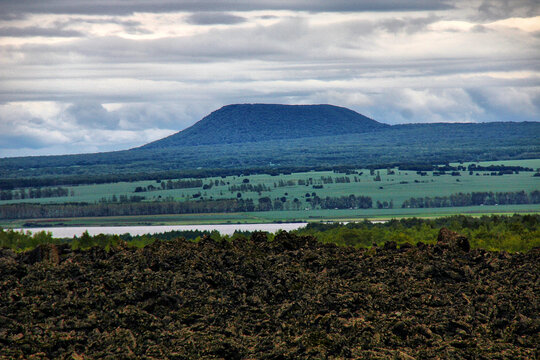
(20, 129)
(137, 116)
(295, 41)
(92, 115)
(269, 42)
(5, 16)
(408, 25)
(425, 104)
(85, 127)
(507, 104)
(130, 26)
(99, 91)
(502, 9)
(407, 114)
(21, 141)
(210, 18)
(290, 38)
(479, 28)
(159, 6)
(38, 31)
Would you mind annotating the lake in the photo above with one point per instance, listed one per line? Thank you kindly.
(224, 229)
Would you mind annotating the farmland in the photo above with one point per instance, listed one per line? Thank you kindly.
(388, 188)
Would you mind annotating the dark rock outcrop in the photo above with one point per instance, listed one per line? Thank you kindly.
(42, 253)
(291, 298)
(454, 240)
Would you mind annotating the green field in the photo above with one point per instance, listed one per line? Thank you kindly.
(394, 188)
(397, 188)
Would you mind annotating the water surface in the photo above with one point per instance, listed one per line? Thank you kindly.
(224, 229)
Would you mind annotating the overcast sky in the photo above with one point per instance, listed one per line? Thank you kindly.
(98, 75)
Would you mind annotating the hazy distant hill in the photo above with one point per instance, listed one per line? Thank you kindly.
(262, 122)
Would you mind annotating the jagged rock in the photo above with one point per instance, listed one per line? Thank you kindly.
(7, 253)
(405, 247)
(259, 237)
(454, 240)
(292, 297)
(42, 253)
(287, 241)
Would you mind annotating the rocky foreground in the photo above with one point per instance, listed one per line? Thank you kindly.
(253, 299)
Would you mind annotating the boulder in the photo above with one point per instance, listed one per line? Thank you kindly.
(453, 240)
(43, 252)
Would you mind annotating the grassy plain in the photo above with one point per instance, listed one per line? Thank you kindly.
(398, 187)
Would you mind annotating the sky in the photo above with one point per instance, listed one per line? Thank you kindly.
(81, 76)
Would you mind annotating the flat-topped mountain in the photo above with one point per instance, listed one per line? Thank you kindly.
(264, 136)
(262, 122)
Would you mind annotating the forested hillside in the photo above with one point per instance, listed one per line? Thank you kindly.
(243, 123)
(400, 144)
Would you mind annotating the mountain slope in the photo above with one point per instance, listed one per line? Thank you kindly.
(262, 122)
(285, 137)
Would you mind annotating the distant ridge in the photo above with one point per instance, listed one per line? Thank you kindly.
(275, 138)
(242, 123)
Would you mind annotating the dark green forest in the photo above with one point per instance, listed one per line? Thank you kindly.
(426, 144)
(33, 193)
(35, 211)
(473, 199)
(243, 123)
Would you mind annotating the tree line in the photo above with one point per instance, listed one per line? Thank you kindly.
(245, 187)
(170, 185)
(471, 167)
(33, 193)
(10, 183)
(341, 202)
(27, 211)
(474, 199)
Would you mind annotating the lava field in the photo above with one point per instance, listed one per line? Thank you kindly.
(291, 298)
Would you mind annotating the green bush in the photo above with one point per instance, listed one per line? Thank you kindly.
(509, 233)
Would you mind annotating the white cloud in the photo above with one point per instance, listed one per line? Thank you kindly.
(122, 77)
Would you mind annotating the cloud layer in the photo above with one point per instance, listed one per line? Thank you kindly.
(81, 76)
